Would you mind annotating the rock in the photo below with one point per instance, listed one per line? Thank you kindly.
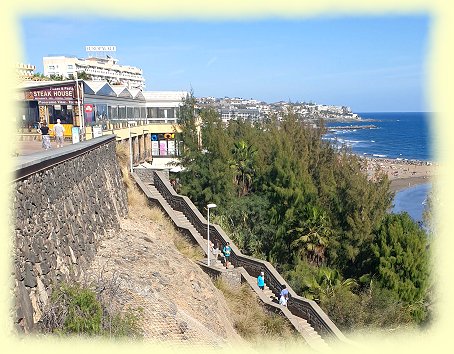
(29, 276)
(24, 309)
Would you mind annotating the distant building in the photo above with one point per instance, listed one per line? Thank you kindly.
(246, 114)
(25, 71)
(99, 69)
(164, 106)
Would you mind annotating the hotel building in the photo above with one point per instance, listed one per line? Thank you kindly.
(99, 69)
(25, 71)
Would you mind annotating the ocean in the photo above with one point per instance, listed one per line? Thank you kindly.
(399, 135)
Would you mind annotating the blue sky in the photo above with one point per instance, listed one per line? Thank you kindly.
(368, 63)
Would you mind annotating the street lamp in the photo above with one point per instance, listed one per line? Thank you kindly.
(130, 144)
(209, 206)
(81, 114)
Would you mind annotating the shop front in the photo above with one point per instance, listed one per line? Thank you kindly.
(47, 103)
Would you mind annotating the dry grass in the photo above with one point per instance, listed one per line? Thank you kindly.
(138, 204)
(187, 248)
(250, 319)
(139, 208)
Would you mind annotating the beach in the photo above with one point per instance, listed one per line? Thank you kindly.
(402, 173)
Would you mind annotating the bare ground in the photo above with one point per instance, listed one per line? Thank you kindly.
(179, 301)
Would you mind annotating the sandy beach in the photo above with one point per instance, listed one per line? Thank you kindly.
(402, 173)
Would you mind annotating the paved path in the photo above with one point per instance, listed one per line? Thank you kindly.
(28, 147)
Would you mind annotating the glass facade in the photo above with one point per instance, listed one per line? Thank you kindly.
(155, 112)
(28, 114)
(63, 112)
(164, 144)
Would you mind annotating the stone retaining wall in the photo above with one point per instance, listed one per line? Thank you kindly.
(62, 211)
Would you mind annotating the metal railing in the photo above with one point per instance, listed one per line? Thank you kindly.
(297, 305)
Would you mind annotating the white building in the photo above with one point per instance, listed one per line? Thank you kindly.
(25, 71)
(163, 106)
(100, 69)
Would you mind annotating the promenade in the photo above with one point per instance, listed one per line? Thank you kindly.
(28, 147)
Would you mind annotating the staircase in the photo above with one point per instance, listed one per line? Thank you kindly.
(309, 334)
(145, 179)
(183, 222)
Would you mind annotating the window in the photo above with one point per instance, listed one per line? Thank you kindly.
(122, 112)
(51, 67)
(70, 66)
(62, 112)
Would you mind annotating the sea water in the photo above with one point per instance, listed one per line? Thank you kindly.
(401, 135)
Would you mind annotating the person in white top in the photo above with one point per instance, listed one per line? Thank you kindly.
(59, 131)
(283, 300)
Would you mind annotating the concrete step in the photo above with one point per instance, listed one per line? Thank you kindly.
(311, 335)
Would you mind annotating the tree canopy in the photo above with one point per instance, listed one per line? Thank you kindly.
(286, 195)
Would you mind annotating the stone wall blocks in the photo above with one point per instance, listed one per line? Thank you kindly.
(45, 267)
(61, 213)
(29, 276)
(42, 293)
(37, 267)
(25, 309)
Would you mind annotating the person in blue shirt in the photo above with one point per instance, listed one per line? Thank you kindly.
(226, 250)
(284, 292)
(261, 281)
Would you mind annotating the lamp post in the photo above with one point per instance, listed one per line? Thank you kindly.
(209, 206)
(130, 144)
(81, 114)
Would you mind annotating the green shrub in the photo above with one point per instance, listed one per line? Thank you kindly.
(74, 309)
(80, 308)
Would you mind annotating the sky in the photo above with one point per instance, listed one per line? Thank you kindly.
(369, 63)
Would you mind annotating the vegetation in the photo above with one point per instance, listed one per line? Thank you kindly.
(286, 195)
(250, 320)
(80, 310)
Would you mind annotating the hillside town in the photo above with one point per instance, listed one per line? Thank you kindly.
(255, 110)
(100, 72)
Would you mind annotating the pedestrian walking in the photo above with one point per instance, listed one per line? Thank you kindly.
(59, 131)
(226, 250)
(261, 281)
(45, 134)
(284, 292)
(216, 251)
(283, 300)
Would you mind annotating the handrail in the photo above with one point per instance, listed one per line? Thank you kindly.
(297, 305)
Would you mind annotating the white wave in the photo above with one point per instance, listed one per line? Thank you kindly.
(379, 155)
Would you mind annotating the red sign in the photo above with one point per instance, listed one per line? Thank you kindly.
(88, 108)
(52, 94)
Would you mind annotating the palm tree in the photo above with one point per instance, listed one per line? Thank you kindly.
(243, 163)
(313, 235)
(325, 283)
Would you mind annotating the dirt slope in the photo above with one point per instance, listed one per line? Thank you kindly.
(179, 300)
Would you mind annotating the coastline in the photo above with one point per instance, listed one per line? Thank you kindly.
(402, 173)
(403, 183)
